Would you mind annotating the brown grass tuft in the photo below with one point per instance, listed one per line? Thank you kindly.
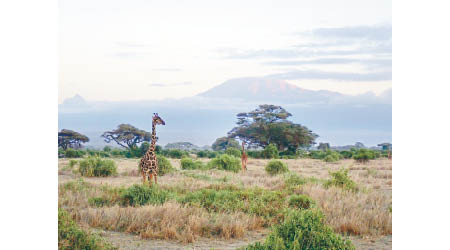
(170, 221)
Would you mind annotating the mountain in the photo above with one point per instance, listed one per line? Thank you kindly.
(268, 89)
(337, 118)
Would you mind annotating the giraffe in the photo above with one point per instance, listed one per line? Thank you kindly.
(149, 163)
(244, 158)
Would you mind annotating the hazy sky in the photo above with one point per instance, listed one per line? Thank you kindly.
(132, 50)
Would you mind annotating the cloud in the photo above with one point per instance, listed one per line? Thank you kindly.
(169, 85)
(167, 69)
(371, 33)
(356, 40)
(340, 76)
(130, 54)
(373, 62)
(130, 44)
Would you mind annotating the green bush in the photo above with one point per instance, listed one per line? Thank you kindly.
(275, 167)
(164, 166)
(73, 153)
(188, 163)
(72, 163)
(144, 194)
(175, 153)
(306, 230)
(363, 155)
(300, 201)
(341, 179)
(255, 154)
(332, 156)
(346, 154)
(225, 162)
(96, 166)
(233, 151)
(270, 152)
(70, 236)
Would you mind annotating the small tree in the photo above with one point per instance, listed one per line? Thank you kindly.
(223, 143)
(70, 139)
(126, 136)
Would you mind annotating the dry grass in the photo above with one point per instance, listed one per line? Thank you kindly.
(366, 213)
(362, 213)
(170, 221)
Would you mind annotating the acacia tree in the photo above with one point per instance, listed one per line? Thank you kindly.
(268, 124)
(127, 136)
(70, 139)
(223, 143)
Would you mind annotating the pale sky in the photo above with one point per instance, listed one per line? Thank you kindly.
(135, 50)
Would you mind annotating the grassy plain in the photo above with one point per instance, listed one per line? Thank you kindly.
(242, 210)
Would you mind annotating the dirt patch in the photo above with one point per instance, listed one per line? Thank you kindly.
(129, 241)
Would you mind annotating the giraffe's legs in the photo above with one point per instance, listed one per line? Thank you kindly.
(150, 178)
(144, 178)
(156, 179)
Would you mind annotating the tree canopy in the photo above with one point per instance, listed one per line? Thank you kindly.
(69, 139)
(223, 143)
(268, 124)
(127, 136)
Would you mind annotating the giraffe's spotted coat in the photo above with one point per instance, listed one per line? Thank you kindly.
(149, 163)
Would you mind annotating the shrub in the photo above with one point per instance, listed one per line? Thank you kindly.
(202, 154)
(226, 162)
(254, 154)
(346, 154)
(270, 152)
(176, 153)
(275, 167)
(341, 179)
(300, 201)
(143, 194)
(363, 155)
(164, 166)
(72, 163)
(292, 180)
(332, 156)
(96, 166)
(233, 151)
(188, 163)
(303, 229)
(73, 153)
(70, 236)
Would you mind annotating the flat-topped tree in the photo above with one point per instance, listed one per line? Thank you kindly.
(127, 136)
(268, 124)
(69, 139)
(223, 143)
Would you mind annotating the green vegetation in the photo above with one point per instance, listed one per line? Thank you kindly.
(188, 163)
(223, 143)
(70, 235)
(268, 124)
(164, 166)
(275, 167)
(341, 179)
(126, 136)
(364, 155)
(143, 194)
(300, 201)
(270, 152)
(303, 229)
(226, 162)
(73, 153)
(96, 166)
(69, 138)
(233, 151)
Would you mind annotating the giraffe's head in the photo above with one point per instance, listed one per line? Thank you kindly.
(157, 120)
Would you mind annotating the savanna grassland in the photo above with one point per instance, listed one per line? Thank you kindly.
(211, 208)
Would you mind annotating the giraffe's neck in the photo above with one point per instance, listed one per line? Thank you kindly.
(151, 149)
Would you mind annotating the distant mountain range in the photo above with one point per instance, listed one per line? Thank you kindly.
(337, 118)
